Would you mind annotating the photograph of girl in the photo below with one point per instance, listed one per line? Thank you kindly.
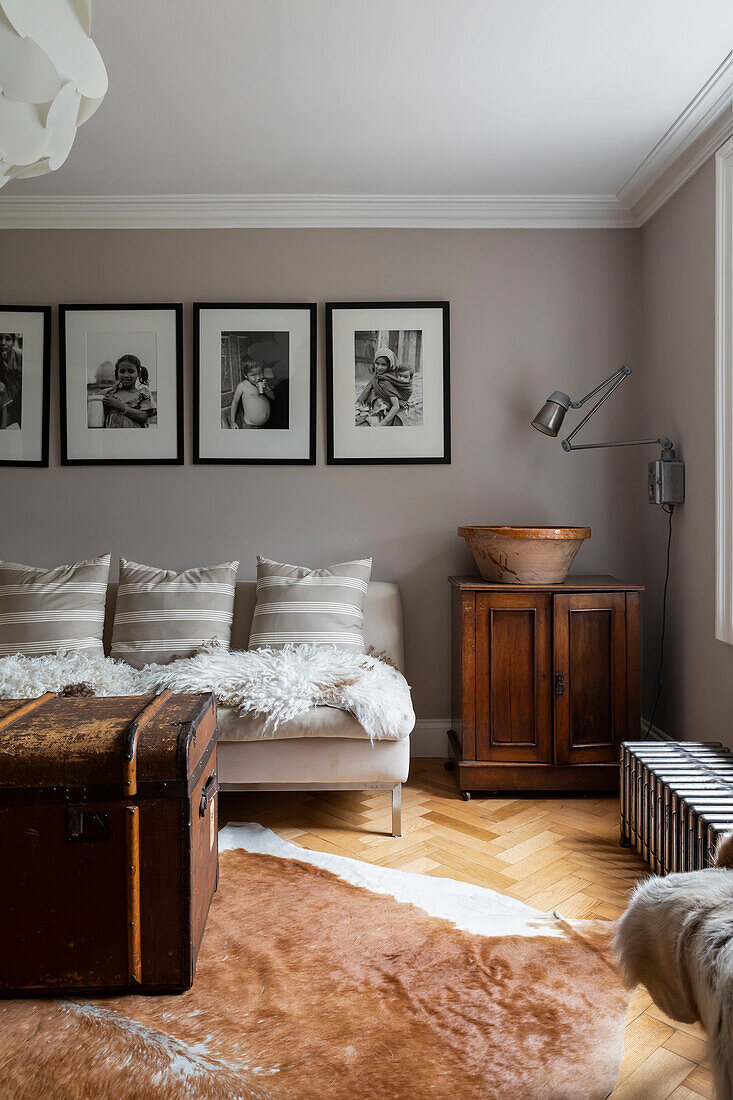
(119, 389)
(121, 368)
(388, 378)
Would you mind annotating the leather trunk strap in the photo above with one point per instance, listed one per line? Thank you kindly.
(26, 708)
(132, 852)
(132, 838)
(133, 736)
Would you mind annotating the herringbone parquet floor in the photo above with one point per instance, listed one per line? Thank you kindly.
(554, 853)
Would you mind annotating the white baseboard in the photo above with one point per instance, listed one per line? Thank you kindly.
(430, 737)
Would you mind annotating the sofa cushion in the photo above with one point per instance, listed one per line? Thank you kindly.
(317, 722)
(161, 614)
(296, 604)
(43, 611)
(313, 763)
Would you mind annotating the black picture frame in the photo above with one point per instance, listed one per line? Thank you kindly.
(174, 307)
(307, 307)
(45, 312)
(332, 459)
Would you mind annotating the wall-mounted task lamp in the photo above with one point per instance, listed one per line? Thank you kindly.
(666, 478)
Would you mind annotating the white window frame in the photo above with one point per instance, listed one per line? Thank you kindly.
(724, 393)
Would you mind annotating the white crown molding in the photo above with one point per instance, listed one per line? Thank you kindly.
(704, 125)
(700, 130)
(313, 212)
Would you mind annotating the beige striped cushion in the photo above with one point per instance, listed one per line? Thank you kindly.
(296, 605)
(161, 614)
(44, 611)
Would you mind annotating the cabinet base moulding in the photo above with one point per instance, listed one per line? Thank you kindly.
(477, 775)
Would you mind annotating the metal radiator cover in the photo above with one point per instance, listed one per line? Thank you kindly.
(676, 801)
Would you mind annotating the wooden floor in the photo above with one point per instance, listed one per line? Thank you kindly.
(554, 853)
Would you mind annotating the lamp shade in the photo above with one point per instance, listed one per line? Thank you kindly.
(550, 417)
(52, 79)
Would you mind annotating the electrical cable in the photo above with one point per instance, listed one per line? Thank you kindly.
(669, 509)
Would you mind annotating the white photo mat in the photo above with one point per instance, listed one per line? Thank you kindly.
(26, 444)
(159, 443)
(219, 444)
(426, 442)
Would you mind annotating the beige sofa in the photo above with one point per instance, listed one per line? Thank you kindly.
(327, 749)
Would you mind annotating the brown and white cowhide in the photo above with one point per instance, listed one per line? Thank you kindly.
(322, 977)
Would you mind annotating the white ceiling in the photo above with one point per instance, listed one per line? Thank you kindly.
(395, 97)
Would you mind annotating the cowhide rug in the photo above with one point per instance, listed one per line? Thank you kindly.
(323, 977)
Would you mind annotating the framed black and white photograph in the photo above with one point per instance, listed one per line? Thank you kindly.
(121, 384)
(25, 340)
(254, 383)
(388, 367)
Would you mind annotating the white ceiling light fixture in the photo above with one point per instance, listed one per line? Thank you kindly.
(52, 79)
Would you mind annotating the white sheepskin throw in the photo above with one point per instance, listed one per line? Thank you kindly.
(275, 684)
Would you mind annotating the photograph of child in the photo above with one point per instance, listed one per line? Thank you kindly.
(255, 380)
(11, 379)
(388, 378)
(121, 376)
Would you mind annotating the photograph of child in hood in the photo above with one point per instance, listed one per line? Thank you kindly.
(11, 379)
(388, 375)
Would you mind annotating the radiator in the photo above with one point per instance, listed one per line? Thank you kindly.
(676, 801)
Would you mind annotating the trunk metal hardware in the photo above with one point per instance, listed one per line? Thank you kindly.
(86, 826)
(208, 793)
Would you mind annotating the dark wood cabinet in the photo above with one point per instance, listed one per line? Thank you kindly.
(545, 682)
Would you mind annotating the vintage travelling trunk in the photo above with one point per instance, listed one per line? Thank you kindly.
(108, 842)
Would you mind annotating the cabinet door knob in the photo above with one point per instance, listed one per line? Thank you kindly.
(559, 683)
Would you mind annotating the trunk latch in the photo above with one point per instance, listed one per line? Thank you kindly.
(209, 793)
(84, 825)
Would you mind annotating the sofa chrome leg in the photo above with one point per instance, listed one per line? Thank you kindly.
(397, 810)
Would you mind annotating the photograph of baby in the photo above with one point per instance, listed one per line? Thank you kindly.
(255, 380)
(11, 379)
(388, 378)
(121, 380)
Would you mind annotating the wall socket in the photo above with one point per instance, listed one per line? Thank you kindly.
(666, 481)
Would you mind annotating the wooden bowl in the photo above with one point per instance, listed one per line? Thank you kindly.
(524, 555)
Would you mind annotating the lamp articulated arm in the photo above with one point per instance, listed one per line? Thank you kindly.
(613, 382)
(666, 444)
(617, 378)
(665, 476)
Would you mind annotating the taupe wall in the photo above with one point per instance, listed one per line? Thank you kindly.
(531, 311)
(679, 400)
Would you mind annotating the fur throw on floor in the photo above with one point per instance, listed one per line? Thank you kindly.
(277, 684)
(676, 938)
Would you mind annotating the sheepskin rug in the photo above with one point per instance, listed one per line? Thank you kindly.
(324, 978)
(676, 938)
(275, 684)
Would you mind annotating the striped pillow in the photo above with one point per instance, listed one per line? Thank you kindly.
(296, 605)
(161, 614)
(43, 611)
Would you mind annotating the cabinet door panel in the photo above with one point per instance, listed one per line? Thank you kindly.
(513, 666)
(590, 657)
